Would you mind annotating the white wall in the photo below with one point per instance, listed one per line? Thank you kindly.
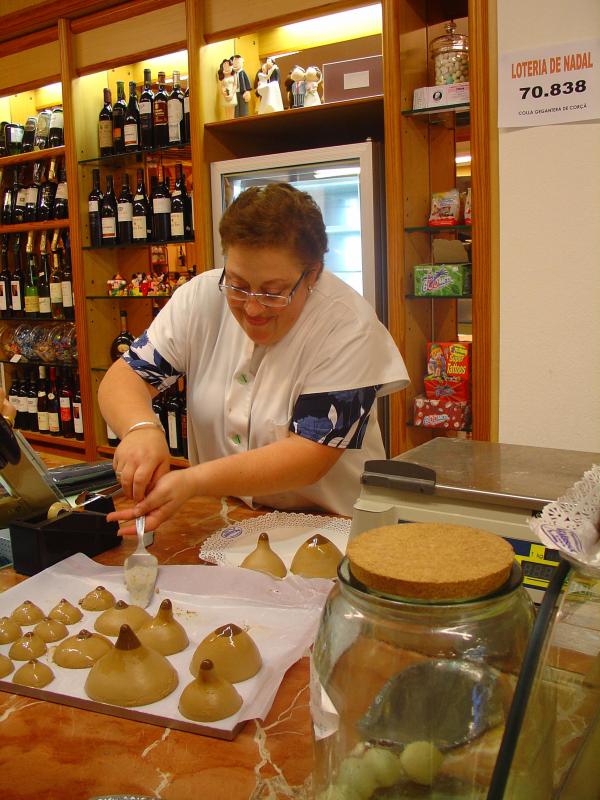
(549, 252)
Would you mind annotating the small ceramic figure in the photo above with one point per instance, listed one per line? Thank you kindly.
(145, 284)
(268, 88)
(242, 86)
(227, 93)
(298, 88)
(134, 284)
(116, 285)
(313, 78)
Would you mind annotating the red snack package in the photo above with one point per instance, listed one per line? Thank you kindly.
(446, 414)
(455, 389)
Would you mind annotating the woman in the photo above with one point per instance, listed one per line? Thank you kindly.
(283, 360)
(227, 91)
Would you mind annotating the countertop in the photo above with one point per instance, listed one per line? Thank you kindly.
(50, 751)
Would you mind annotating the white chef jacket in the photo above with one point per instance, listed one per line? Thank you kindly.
(242, 395)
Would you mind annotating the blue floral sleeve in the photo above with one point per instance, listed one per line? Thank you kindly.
(337, 419)
(145, 359)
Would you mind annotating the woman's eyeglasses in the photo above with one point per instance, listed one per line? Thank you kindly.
(236, 295)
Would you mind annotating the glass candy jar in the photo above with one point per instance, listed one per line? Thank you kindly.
(415, 662)
(450, 54)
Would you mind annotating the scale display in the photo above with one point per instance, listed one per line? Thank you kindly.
(537, 562)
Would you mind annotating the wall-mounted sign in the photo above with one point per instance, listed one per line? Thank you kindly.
(549, 85)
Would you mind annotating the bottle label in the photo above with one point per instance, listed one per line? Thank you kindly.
(125, 211)
(57, 120)
(186, 105)
(22, 404)
(161, 205)
(62, 192)
(67, 293)
(77, 418)
(45, 305)
(21, 198)
(65, 409)
(32, 196)
(109, 227)
(93, 206)
(131, 134)
(16, 135)
(122, 348)
(172, 426)
(3, 305)
(56, 295)
(42, 128)
(110, 434)
(32, 304)
(139, 228)
(15, 290)
(160, 112)
(42, 421)
(105, 133)
(175, 115)
(32, 405)
(145, 108)
(177, 224)
(53, 423)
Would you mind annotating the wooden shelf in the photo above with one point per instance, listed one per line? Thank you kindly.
(33, 155)
(172, 152)
(54, 441)
(24, 227)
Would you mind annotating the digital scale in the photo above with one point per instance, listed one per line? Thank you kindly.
(496, 487)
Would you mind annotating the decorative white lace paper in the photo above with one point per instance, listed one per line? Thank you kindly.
(571, 524)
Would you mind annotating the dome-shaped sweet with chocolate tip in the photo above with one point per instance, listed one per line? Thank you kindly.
(110, 621)
(34, 674)
(233, 652)
(81, 651)
(209, 697)
(6, 666)
(264, 559)
(9, 630)
(28, 646)
(316, 558)
(98, 599)
(65, 612)
(163, 633)
(51, 630)
(27, 613)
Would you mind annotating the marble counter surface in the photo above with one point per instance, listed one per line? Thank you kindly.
(50, 751)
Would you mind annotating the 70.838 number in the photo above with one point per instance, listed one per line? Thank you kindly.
(566, 88)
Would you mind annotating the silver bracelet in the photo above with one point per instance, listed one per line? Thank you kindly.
(144, 424)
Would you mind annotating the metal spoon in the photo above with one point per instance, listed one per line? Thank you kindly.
(86, 496)
(141, 569)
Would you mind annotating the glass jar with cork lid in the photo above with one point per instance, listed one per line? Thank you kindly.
(450, 54)
(415, 662)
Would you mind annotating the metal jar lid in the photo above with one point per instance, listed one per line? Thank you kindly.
(450, 42)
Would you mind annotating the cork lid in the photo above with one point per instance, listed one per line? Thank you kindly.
(430, 561)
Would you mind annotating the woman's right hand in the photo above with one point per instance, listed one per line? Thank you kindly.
(140, 460)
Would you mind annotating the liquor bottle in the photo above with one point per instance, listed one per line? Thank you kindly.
(105, 125)
(147, 112)
(13, 135)
(22, 419)
(160, 114)
(159, 408)
(29, 134)
(65, 401)
(43, 282)
(161, 210)
(66, 284)
(183, 414)
(56, 281)
(118, 120)
(32, 193)
(13, 397)
(108, 213)
(178, 206)
(45, 207)
(42, 401)
(42, 129)
(175, 111)
(142, 218)
(125, 211)
(5, 279)
(19, 193)
(61, 198)
(122, 342)
(186, 116)
(7, 201)
(56, 136)
(173, 422)
(31, 296)
(32, 401)
(53, 405)
(3, 125)
(131, 130)
(94, 201)
(77, 409)
(113, 439)
(17, 283)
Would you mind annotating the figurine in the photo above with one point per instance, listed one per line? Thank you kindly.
(242, 86)
(313, 77)
(116, 285)
(298, 87)
(267, 88)
(145, 284)
(227, 83)
(134, 284)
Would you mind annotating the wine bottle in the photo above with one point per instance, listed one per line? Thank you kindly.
(161, 210)
(32, 402)
(13, 135)
(31, 296)
(32, 193)
(178, 205)
(119, 110)
(19, 193)
(113, 439)
(77, 409)
(43, 282)
(13, 397)
(17, 283)
(56, 281)
(65, 401)
(66, 284)
(108, 214)
(42, 129)
(29, 134)
(22, 419)
(42, 401)
(7, 201)
(122, 342)
(147, 112)
(125, 211)
(45, 207)
(175, 111)
(61, 198)
(105, 125)
(131, 130)
(3, 125)
(159, 408)
(142, 219)
(186, 116)
(5, 279)
(173, 422)
(160, 114)
(53, 405)
(94, 201)
(56, 137)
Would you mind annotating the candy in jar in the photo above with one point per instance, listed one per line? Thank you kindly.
(450, 54)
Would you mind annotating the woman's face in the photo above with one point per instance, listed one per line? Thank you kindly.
(267, 269)
(226, 67)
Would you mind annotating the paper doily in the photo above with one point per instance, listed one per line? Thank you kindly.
(287, 531)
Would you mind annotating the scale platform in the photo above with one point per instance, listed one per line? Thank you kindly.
(496, 487)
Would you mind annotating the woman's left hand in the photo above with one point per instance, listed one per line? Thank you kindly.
(166, 497)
